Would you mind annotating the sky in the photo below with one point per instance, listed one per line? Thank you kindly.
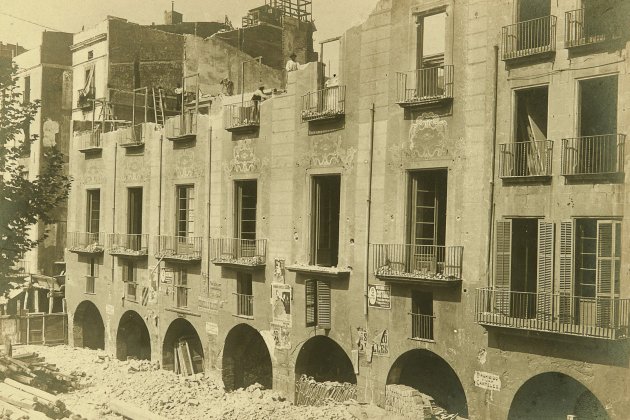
(332, 17)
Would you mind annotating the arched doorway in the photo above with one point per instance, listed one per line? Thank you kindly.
(246, 359)
(88, 328)
(132, 338)
(554, 396)
(324, 360)
(182, 351)
(428, 373)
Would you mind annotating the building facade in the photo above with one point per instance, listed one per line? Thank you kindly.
(406, 223)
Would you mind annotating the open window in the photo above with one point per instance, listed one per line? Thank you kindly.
(244, 294)
(134, 211)
(245, 209)
(318, 304)
(130, 278)
(185, 210)
(181, 287)
(431, 40)
(93, 210)
(325, 220)
(422, 315)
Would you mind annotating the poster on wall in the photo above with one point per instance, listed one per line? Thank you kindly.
(278, 269)
(380, 296)
(362, 339)
(167, 275)
(380, 344)
(281, 297)
(281, 336)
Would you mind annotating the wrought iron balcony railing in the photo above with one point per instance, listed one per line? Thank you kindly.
(530, 37)
(242, 116)
(244, 304)
(432, 264)
(86, 242)
(525, 159)
(132, 136)
(596, 317)
(421, 326)
(593, 155)
(324, 104)
(134, 245)
(239, 252)
(183, 127)
(424, 86)
(88, 141)
(582, 28)
(184, 248)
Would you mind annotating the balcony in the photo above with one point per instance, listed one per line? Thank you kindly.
(85, 242)
(181, 248)
(584, 28)
(428, 86)
(325, 104)
(90, 285)
(433, 265)
(89, 141)
(593, 155)
(529, 38)
(421, 327)
(183, 128)
(128, 245)
(85, 100)
(239, 253)
(132, 136)
(594, 317)
(528, 159)
(244, 305)
(242, 117)
(22, 268)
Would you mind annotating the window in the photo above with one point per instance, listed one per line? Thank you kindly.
(427, 215)
(431, 40)
(27, 89)
(533, 9)
(90, 54)
(598, 106)
(245, 206)
(93, 210)
(92, 275)
(134, 211)
(244, 294)
(325, 220)
(26, 98)
(130, 278)
(318, 304)
(185, 210)
(422, 315)
(181, 287)
(603, 19)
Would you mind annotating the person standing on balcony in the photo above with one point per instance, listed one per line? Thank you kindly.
(331, 93)
(258, 96)
(179, 94)
(292, 64)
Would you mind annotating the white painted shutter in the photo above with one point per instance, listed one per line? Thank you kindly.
(323, 305)
(544, 282)
(310, 302)
(503, 266)
(566, 271)
(607, 280)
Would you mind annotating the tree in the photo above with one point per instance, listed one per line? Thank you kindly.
(23, 202)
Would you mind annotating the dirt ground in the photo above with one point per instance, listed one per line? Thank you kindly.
(163, 392)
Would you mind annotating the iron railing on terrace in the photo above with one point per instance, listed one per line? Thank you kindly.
(529, 38)
(596, 317)
(88, 140)
(235, 251)
(132, 136)
(86, 242)
(435, 263)
(182, 127)
(244, 304)
(593, 155)
(324, 104)
(90, 284)
(242, 115)
(422, 86)
(128, 244)
(185, 248)
(582, 28)
(421, 326)
(525, 159)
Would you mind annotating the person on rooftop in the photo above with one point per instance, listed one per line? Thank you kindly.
(292, 64)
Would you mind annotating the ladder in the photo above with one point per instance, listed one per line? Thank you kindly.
(158, 106)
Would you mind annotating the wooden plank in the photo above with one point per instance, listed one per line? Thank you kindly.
(33, 391)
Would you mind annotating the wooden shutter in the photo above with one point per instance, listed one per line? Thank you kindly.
(607, 277)
(323, 305)
(566, 271)
(311, 302)
(503, 266)
(544, 310)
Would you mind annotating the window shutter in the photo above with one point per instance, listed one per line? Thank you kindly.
(566, 271)
(503, 266)
(311, 296)
(545, 271)
(607, 270)
(323, 305)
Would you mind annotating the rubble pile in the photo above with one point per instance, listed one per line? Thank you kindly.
(311, 392)
(408, 401)
(104, 380)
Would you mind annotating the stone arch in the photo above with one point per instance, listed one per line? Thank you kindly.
(180, 332)
(88, 329)
(246, 359)
(132, 337)
(554, 395)
(323, 359)
(429, 374)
